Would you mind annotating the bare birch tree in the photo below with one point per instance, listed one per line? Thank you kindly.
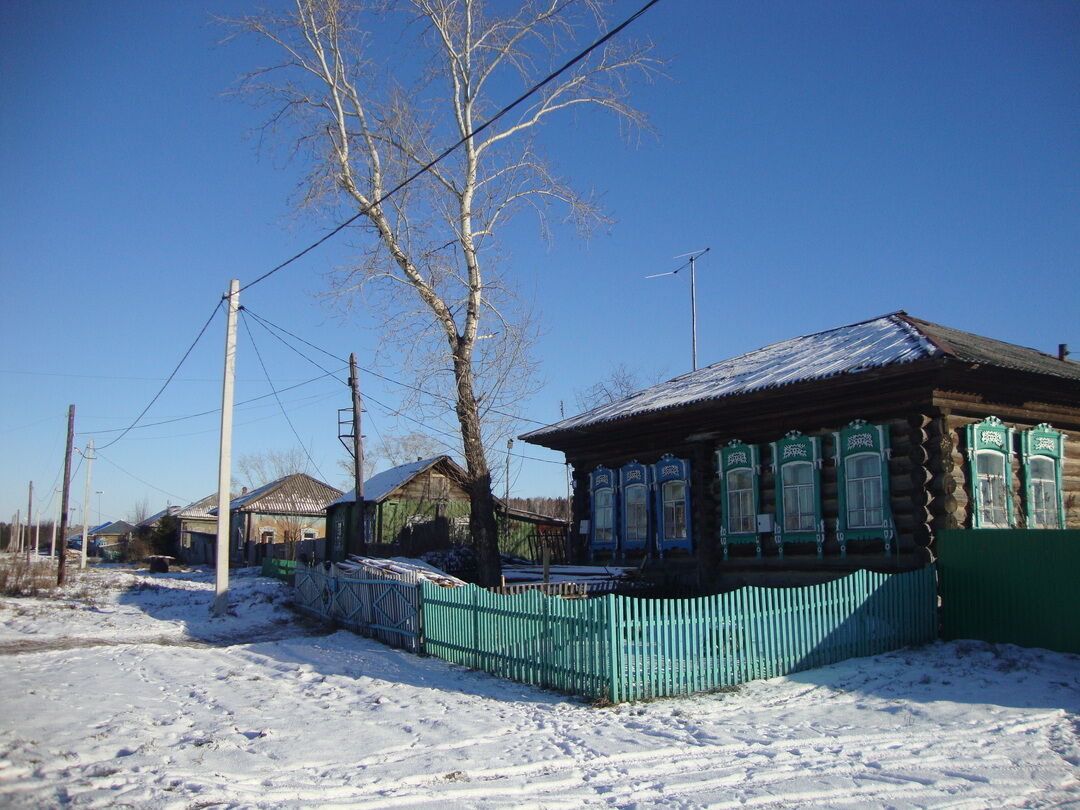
(371, 110)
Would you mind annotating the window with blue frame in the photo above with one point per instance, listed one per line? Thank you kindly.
(739, 470)
(602, 527)
(862, 471)
(797, 466)
(672, 477)
(989, 447)
(634, 492)
(1043, 450)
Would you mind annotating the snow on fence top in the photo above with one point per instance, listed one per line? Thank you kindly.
(884, 341)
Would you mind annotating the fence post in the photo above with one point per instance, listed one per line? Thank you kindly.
(614, 647)
(421, 647)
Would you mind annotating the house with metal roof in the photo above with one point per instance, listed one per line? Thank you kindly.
(289, 510)
(842, 449)
(197, 530)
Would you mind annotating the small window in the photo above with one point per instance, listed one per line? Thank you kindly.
(991, 492)
(307, 534)
(989, 448)
(741, 515)
(637, 515)
(863, 474)
(800, 513)
(1044, 494)
(674, 510)
(603, 512)
(267, 535)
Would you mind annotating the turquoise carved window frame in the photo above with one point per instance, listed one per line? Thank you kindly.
(671, 470)
(602, 487)
(633, 476)
(798, 454)
(737, 457)
(989, 443)
(1042, 443)
(862, 441)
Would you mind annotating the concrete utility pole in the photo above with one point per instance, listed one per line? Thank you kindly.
(86, 500)
(221, 559)
(29, 518)
(60, 567)
(360, 526)
(16, 533)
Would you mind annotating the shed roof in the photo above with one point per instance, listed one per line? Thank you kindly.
(381, 485)
(199, 509)
(890, 340)
(296, 494)
(114, 529)
(154, 518)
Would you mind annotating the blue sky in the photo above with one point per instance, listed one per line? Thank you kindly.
(841, 160)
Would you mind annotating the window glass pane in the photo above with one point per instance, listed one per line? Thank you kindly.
(991, 489)
(740, 517)
(799, 512)
(674, 494)
(636, 514)
(602, 515)
(1044, 494)
(864, 491)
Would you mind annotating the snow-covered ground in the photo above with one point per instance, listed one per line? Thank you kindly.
(139, 699)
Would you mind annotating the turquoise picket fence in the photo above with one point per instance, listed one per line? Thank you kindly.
(279, 569)
(625, 648)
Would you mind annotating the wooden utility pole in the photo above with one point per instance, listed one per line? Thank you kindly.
(221, 559)
(60, 567)
(358, 459)
(29, 518)
(89, 458)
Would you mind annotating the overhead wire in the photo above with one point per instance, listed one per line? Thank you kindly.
(450, 149)
(168, 380)
(270, 382)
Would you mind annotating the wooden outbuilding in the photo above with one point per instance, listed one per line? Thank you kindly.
(844, 449)
(424, 506)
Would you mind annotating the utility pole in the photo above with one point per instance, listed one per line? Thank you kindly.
(16, 532)
(37, 537)
(89, 457)
(29, 519)
(358, 458)
(60, 567)
(221, 559)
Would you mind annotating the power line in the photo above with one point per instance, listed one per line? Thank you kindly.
(215, 410)
(269, 324)
(140, 480)
(269, 382)
(168, 380)
(266, 325)
(446, 152)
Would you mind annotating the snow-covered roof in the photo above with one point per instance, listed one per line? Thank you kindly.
(382, 484)
(298, 494)
(200, 508)
(150, 521)
(886, 341)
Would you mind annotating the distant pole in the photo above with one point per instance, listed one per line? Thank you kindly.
(89, 457)
(506, 497)
(221, 564)
(29, 518)
(16, 532)
(37, 537)
(52, 543)
(60, 567)
(358, 458)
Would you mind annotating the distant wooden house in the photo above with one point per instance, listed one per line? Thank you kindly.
(197, 530)
(287, 511)
(838, 450)
(423, 506)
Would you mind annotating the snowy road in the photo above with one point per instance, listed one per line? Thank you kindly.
(143, 717)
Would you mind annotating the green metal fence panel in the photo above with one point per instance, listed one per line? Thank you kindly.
(279, 569)
(1015, 586)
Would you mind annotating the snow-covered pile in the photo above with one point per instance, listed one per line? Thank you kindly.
(336, 721)
(405, 567)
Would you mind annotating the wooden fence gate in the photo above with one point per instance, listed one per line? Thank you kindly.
(372, 602)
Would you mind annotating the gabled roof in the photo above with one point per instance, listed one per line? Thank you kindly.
(114, 529)
(296, 494)
(381, 485)
(890, 340)
(200, 509)
(150, 521)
